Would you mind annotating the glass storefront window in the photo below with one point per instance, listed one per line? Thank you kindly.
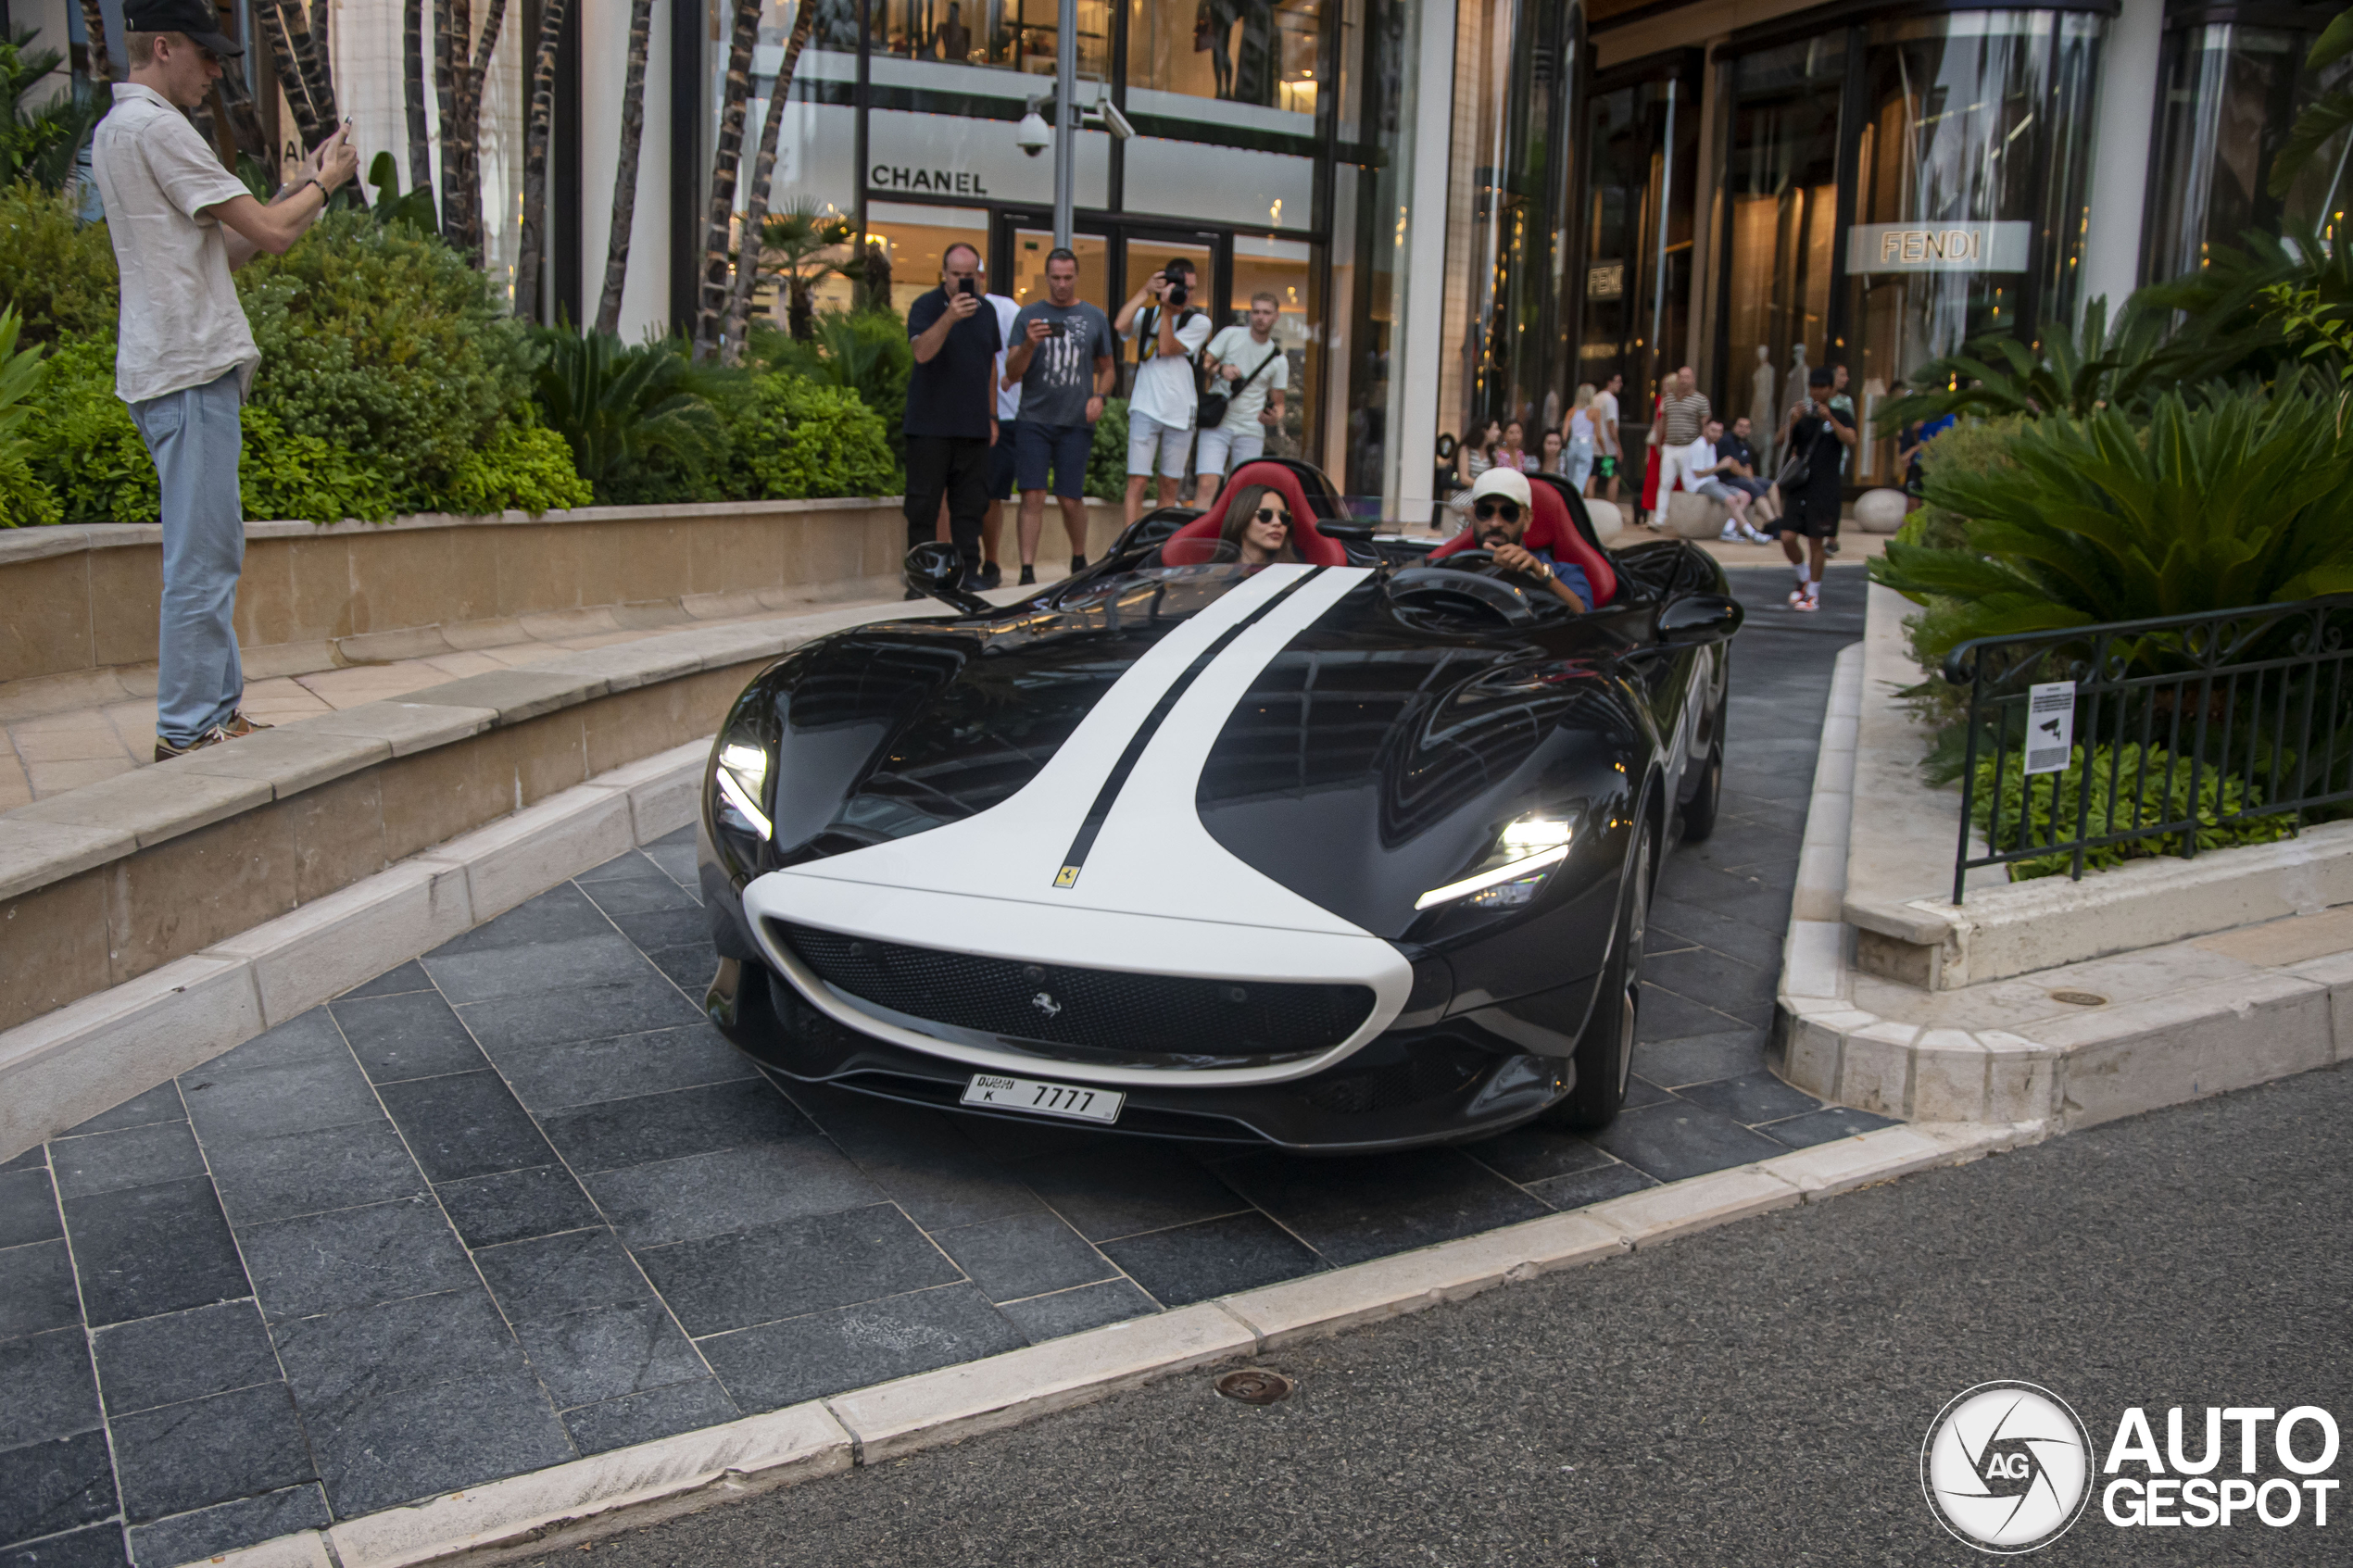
(1781, 210)
(2229, 93)
(1958, 187)
(1644, 148)
(1261, 52)
(1016, 34)
(1025, 278)
(916, 239)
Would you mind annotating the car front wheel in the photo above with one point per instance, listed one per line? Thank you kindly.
(1605, 1057)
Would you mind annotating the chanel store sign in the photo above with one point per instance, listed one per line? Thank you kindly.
(1944, 247)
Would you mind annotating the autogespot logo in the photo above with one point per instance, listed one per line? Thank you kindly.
(2006, 1467)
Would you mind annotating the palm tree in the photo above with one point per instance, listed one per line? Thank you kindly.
(726, 161)
(461, 61)
(308, 37)
(534, 159)
(625, 179)
(793, 248)
(763, 171)
(412, 93)
(280, 39)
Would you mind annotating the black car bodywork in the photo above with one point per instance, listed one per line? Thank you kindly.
(1389, 749)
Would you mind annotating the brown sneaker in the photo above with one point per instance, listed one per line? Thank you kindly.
(237, 726)
(166, 750)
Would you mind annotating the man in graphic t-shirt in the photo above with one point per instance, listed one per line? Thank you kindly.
(1249, 367)
(1064, 360)
(1168, 329)
(951, 407)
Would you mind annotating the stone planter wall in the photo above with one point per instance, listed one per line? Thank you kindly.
(76, 599)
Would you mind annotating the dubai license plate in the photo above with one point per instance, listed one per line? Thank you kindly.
(1036, 1098)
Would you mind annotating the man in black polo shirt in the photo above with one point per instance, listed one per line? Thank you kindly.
(951, 407)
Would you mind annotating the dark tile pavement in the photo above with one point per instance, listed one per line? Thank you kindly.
(515, 1203)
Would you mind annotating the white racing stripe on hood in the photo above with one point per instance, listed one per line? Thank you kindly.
(1013, 849)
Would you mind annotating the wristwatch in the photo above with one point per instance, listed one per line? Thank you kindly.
(1546, 568)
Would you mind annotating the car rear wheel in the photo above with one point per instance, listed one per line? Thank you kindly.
(1605, 1057)
(1699, 812)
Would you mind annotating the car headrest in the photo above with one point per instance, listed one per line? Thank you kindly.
(1554, 530)
(1310, 543)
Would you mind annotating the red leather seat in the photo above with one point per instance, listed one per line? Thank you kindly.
(1196, 543)
(1552, 530)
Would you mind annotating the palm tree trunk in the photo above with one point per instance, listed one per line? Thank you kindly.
(763, 171)
(727, 163)
(245, 124)
(310, 59)
(625, 179)
(412, 92)
(535, 158)
(492, 21)
(452, 26)
(290, 82)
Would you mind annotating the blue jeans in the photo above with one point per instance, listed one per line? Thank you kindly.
(194, 439)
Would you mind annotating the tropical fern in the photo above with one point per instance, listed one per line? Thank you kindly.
(616, 407)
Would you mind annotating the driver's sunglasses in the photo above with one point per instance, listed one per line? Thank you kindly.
(1269, 514)
(1508, 510)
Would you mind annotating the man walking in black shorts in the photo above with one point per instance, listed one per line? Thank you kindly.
(1817, 436)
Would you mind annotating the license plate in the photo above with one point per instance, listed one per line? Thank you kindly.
(1036, 1098)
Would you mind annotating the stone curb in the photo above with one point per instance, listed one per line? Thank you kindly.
(2074, 1071)
(65, 1067)
(627, 1488)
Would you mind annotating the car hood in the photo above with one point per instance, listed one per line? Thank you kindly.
(1293, 729)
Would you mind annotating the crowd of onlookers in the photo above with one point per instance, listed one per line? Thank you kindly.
(1786, 483)
(1004, 399)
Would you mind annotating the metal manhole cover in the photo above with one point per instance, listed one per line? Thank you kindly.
(1255, 1385)
(2080, 998)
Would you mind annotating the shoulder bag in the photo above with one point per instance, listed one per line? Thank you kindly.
(1214, 404)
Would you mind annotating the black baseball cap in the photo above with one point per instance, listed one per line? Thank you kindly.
(197, 18)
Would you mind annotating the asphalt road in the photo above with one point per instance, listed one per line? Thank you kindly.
(1755, 1395)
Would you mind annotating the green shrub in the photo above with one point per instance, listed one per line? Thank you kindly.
(2154, 786)
(1107, 458)
(284, 473)
(638, 421)
(525, 466)
(24, 499)
(2246, 501)
(865, 352)
(60, 277)
(383, 343)
(90, 454)
(789, 439)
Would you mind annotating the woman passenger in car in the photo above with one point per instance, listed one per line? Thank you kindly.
(1258, 527)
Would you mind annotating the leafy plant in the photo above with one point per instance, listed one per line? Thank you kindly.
(2324, 117)
(24, 499)
(617, 409)
(862, 351)
(58, 274)
(1107, 458)
(525, 466)
(385, 343)
(39, 146)
(2112, 791)
(2248, 500)
(2124, 363)
(793, 248)
(789, 439)
(90, 454)
(414, 210)
(284, 473)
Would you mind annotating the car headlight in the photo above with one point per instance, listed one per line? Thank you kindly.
(1524, 854)
(742, 778)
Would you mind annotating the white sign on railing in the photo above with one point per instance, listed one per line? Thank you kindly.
(2050, 727)
(1938, 248)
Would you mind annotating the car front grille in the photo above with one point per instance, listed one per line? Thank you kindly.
(1086, 1009)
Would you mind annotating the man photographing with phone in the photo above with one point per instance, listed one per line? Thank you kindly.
(951, 407)
(1168, 331)
(184, 356)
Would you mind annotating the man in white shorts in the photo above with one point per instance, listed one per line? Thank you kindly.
(1250, 367)
(1169, 330)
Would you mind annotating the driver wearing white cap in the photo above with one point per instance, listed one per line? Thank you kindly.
(1501, 505)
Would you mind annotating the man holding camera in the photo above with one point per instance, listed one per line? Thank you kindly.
(1248, 372)
(184, 356)
(951, 407)
(1064, 360)
(1169, 333)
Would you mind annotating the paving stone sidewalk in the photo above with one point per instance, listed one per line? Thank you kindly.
(517, 1202)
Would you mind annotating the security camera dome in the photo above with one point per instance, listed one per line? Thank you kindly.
(1033, 136)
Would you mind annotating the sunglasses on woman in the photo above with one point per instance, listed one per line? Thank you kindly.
(1508, 510)
(1269, 514)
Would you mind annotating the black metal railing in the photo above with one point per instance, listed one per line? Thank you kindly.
(2138, 736)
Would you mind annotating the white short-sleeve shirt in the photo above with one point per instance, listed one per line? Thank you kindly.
(182, 323)
(1007, 397)
(1235, 347)
(1163, 389)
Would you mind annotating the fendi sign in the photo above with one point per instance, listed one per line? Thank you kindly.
(1938, 248)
